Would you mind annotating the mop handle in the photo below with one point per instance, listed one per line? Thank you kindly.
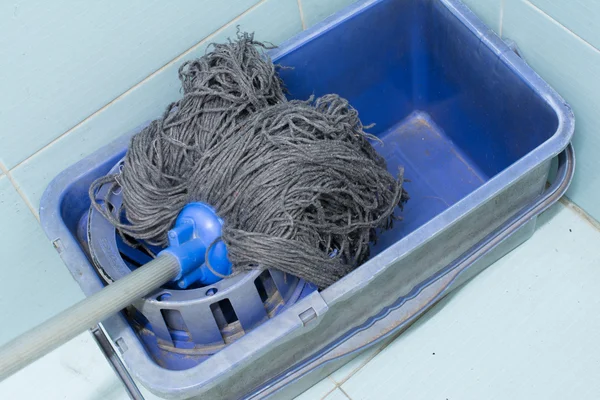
(86, 314)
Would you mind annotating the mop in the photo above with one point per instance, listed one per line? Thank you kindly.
(298, 185)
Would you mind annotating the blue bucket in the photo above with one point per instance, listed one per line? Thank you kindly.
(476, 131)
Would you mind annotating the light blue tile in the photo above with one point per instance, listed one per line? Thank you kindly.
(572, 67)
(34, 282)
(75, 371)
(317, 10)
(273, 20)
(63, 60)
(487, 10)
(318, 391)
(525, 328)
(579, 16)
(337, 394)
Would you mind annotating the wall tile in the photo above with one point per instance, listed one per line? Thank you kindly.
(273, 20)
(34, 282)
(525, 328)
(63, 60)
(317, 10)
(579, 16)
(572, 67)
(487, 10)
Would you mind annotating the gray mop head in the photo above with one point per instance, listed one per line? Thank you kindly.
(298, 183)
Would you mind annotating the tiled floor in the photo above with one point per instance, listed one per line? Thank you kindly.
(526, 328)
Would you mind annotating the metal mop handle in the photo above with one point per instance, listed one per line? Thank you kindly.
(86, 314)
(197, 229)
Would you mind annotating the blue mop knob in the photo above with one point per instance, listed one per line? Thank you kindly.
(196, 229)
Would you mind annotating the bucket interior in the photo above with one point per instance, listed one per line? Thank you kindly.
(446, 107)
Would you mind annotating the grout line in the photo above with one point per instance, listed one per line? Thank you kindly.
(344, 393)
(580, 211)
(501, 22)
(368, 360)
(336, 387)
(143, 81)
(331, 391)
(529, 3)
(19, 192)
(301, 14)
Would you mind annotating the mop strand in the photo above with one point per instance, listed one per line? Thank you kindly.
(298, 184)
